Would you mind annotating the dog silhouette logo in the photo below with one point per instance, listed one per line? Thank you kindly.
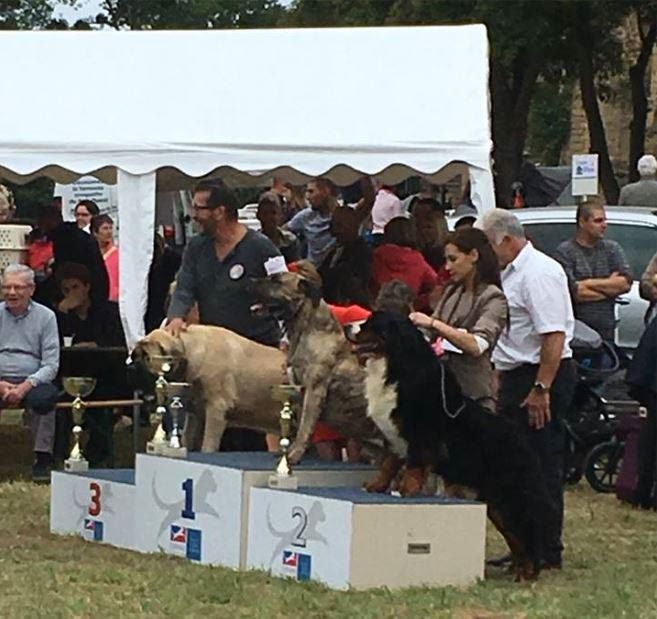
(304, 529)
(203, 488)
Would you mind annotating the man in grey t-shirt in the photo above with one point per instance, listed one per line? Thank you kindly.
(216, 269)
(597, 270)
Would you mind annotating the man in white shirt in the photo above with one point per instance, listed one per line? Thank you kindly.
(536, 373)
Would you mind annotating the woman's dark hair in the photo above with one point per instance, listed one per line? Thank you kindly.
(487, 270)
(90, 205)
(73, 270)
(400, 231)
(98, 220)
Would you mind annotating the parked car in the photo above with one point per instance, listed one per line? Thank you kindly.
(634, 228)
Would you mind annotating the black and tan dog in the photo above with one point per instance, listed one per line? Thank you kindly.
(419, 407)
(321, 360)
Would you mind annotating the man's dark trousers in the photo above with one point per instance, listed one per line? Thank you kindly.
(548, 443)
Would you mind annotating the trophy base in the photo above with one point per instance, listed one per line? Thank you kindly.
(281, 482)
(173, 452)
(154, 449)
(76, 466)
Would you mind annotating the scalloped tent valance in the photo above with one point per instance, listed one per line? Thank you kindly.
(125, 106)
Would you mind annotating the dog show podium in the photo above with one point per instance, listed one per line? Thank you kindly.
(98, 505)
(346, 538)
(217, 509)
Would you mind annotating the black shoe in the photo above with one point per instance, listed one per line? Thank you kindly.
(42, 467)
(551, 564)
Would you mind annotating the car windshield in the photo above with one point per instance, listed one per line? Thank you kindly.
(638, 242)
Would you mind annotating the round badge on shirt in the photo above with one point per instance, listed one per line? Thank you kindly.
(236, 271)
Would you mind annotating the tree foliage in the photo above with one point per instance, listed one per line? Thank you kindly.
(27, 14)
(191, 14)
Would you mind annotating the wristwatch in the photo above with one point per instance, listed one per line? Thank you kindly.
(540, 388)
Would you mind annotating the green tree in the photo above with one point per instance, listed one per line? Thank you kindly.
(190, 14)
(644, 12)
(27, 14)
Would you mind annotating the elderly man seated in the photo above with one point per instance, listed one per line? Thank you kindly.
(29, 360)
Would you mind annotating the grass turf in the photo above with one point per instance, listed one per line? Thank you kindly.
(610, 570)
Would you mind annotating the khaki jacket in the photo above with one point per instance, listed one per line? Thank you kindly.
(483, 313)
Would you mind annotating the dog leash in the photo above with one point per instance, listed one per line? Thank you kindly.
(442, 393)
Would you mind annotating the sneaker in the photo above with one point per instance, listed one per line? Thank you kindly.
(42, 467)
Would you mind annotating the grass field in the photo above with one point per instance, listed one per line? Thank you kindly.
(610, 570)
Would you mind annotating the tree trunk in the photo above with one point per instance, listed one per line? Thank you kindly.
(510, 112)
(597, 135)
(639, 98)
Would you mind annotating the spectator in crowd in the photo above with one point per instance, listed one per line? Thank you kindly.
(533, 358)
(164, 267)
(467, 221)
(642, 378)
(7, 206)
(430, 230)
(84, 211)
(346, 269)
(597, 270)
(387, 206)
(29, 361)
(270, 216)
(89, 324)
(648, 288)
(313, 224)
(217, 267)
(470, 314)
(399, 259)
(294, 200)
(71, 244)
(102, 227)
(86, 322)
(644, 191)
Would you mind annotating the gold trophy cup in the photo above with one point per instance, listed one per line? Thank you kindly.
(79, 387)
(160, 365)
(283, 477)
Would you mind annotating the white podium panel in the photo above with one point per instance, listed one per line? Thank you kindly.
(347, 538)
(198, 507)
(98, 505)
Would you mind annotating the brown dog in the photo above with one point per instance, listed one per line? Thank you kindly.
(321, 359)
(231, 374)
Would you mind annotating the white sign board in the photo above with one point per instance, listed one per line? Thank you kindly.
(88, 188)
(584, 175)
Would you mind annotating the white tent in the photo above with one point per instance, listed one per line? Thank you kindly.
(147, 109)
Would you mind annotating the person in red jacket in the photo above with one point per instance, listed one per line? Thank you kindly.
(399, 259)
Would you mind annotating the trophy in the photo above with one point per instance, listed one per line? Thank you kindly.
(160, 365)
(79, 387)
(283, 477)
(174, 448)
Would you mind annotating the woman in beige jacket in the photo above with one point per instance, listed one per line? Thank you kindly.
(470, 314)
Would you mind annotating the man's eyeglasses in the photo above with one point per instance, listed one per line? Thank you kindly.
(8, 288)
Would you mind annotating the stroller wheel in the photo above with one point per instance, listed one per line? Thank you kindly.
(603, 466)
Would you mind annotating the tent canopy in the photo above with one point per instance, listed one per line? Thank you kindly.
(339, 102)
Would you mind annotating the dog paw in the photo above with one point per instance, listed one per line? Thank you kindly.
(412, 482)
(379, 484)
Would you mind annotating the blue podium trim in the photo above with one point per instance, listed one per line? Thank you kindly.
(266, 461)
(120, 476)
(359, 496)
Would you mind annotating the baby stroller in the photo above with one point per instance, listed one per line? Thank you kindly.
(598, 403)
